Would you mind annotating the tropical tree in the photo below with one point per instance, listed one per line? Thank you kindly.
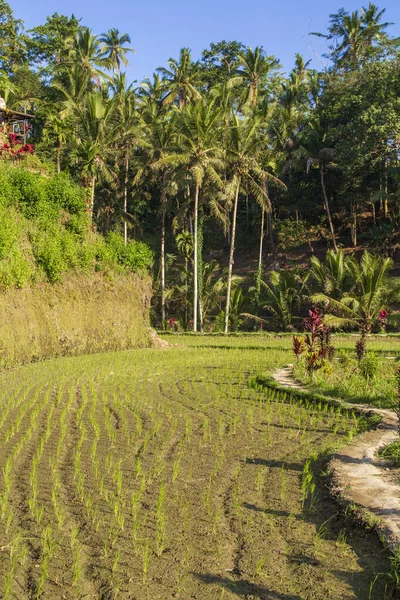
(114, 48)
(200, 155)
(85, 52)
(370, 294)
(185, 244)
(321, 155)
(94, 150)
(255, 67)
(353, 34)
(332, 275)
(243, 153)
(283, 294)
(181, 79)
(160, 140)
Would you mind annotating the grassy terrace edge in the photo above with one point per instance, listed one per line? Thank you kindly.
(322, 463)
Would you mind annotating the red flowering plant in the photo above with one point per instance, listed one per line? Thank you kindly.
(316, 344)
(382, 318)
(13, 150)
(172, 324)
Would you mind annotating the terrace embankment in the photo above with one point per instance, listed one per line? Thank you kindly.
(83, 314)
(359, 477)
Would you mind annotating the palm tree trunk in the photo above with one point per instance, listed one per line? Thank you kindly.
(232, 250)
(261, 240)
(163, 214)
(126, 197)
(195, 265)
(93, 183)
(328, 212)
(269, 219)
(186, 293)
(59, 158)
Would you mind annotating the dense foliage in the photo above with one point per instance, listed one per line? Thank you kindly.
(226, 150)
(44, 231)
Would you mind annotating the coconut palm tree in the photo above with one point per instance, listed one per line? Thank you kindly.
(373, 27)
(151, 93)
(243, 158)
(352, 34)
(61, 129)
(255, 67)
(133, 130)
(199, 153)
(85, 53)
(185, 244)
(370, 294)
(321, 155)
(94, 150)
(181, 79)
(160, 143)
(114, 48)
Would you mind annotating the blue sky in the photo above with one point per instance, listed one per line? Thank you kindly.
(159, 28)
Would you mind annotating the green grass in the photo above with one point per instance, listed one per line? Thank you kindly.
(160, 472)
(391, 452)
(342, 378)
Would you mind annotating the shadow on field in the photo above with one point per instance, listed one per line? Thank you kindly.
(274, 464)
(269, 511)
(244, 588)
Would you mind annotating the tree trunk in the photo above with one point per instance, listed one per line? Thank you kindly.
(186, 293)
(126, 197)
(353, 225)
(269, 219)
(260, 253)
(328, 212)
(59, 159)
(163, 214)
(93, 183)
(232, 250)
(200, 238)
(195, 265)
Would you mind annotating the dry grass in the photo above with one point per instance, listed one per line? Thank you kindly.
(84, 314)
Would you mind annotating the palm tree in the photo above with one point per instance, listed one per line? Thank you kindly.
(373, 28)
(200, 155)
(244, 148)
(61, 128)
(114, 48)
(151, 93)
(185, 245)
(354, 34)
(315, 144)
(133, 129)
(283, 295)
(181, 79)
(85, 53)
(254, 70)
(371, 292)
(332, 275)
(160, 140)
(95, 146)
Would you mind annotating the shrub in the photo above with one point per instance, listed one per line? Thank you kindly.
(134, 255)
(61, 191)
(49, 254)
(369, 366)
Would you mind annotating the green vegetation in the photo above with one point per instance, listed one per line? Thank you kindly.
(154, 472)
(260, 168)
(44, 231)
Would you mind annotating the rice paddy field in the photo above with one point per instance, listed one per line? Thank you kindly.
(160, 473)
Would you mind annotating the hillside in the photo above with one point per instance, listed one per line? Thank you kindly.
(64, 288)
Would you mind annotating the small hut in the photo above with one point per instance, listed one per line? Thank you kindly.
(14, 122)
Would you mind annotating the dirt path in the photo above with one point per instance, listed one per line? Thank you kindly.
(359, 475)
